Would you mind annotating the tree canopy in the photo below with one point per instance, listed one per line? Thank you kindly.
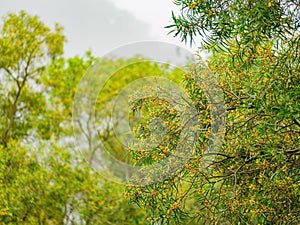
(43, 180)
(254, 178)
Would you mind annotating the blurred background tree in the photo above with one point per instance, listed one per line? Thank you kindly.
(43, 180)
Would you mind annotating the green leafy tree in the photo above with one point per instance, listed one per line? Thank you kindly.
(254, 178)
(27, 46)
(43, 180)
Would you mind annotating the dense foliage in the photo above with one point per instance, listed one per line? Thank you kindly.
(43, 180)
(255, 175)
(254, 178)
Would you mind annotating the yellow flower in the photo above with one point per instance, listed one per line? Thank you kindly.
(194, 4)
(271, 3)
(259, 50)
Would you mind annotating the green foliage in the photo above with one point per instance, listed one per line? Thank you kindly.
(246, 23)
(26, 47)
(43, 180)
(46, 187)
(254, 178)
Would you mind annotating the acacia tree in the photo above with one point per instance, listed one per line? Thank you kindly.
(254, 178)
(248, 25)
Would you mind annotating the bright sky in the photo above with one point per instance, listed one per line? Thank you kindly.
(102, 25)
(156, 13)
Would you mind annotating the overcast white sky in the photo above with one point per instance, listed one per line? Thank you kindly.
(101, 25)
